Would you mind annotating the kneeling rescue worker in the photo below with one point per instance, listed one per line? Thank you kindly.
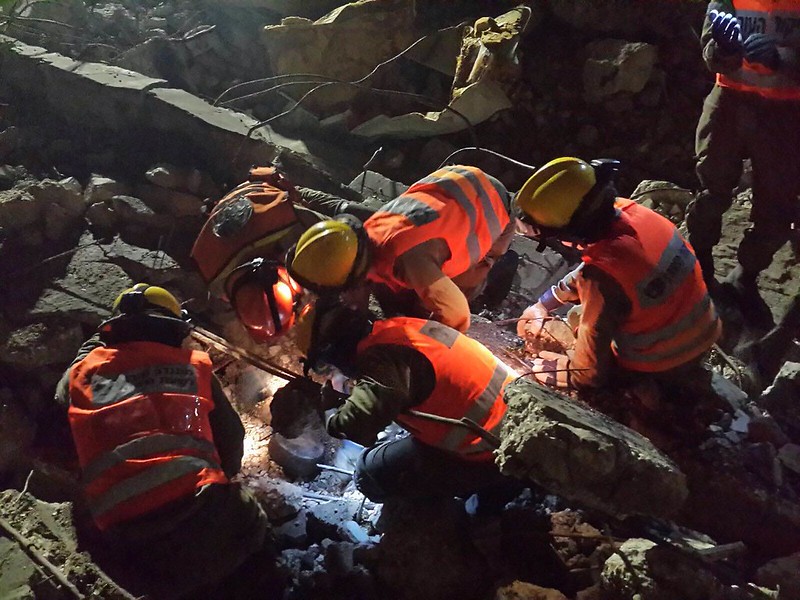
(157, 442)
(645, 306)
(427, 251)
(407, 369)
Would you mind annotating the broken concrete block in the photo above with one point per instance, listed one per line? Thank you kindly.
(327, 519)
(641, 568)
(18, 209)
(101, 189)
(584, 455)
(353, 532)
(522, 590)
(66, 193)
(784, 573)
(617, 66)
(789, 455)
(133, 211)
(39, 344)
(294, 532)
(780, 399)
(339, 558)
(279, 499)
(170, 202)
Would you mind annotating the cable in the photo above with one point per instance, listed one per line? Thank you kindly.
(487, 151)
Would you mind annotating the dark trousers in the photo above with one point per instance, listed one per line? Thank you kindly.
(734, 126)
(408, 468)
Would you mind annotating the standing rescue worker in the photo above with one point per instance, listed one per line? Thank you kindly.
(645, 306)
(427, 251)
(752, 112)
(157, 442)
(405, 366)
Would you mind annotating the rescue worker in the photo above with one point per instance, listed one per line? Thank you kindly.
(422, 254)
(752, 112)
(240, 250)
(158, 442)
(406, 369)
(645, 307)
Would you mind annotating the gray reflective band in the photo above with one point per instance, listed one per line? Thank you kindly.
(178, 378)
(492, 219)
(452, 189)
(147, 480)
(143, 447)
(674, 266)
(694, 343)
(642, 341)
(414, 210)
(479, 411)
(439, 332)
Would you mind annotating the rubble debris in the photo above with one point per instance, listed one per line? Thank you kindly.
(522, 590)
(780, 399)
(783, 574)
(585, 456)
(617, 66)
(327, 519)
(38, 345)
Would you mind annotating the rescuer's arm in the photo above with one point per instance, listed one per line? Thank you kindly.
(227, 429)
(605, 307)
(421, 269)
(719, 59)
(391, 380)
(62, 389)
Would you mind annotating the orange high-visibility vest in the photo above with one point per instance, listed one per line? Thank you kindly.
(460, 205)
(470, 382)
(778, 18)
(250, 221)
(672, 318)
(139, 418)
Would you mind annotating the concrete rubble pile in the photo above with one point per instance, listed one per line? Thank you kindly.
(105, 166)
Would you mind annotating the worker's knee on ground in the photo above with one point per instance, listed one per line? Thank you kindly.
(759, 245)
(367, 479)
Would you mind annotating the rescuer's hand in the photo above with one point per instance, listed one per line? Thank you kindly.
(761, 48)
(329, 397)
(531, 321)
(726, 31)
(552, 369)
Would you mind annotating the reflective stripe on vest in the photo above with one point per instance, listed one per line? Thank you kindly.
(777, 18)
(139, 418)
(672, 318)
(470, 382)
(461, 205)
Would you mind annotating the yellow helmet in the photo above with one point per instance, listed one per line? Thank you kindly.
(325, 255)
(143, 297)
(555, 191)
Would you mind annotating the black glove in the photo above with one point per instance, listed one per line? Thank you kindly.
(726, 31)
(762, 48)
(330, 398)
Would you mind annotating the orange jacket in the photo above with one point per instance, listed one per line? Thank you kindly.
(139, 418)
(470, 382)
(458, 204)
(781, 19)
(672, 318)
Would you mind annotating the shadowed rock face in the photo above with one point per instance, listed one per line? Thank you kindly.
(585, 456)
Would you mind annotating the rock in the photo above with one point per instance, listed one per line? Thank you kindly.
(617, 66)
(279, 499)
(789, 455)
(584, 455)
(17, 431)
(780, 399)
(766, 429)
(101, 189)
(294, 532)
(39, 344)
(327, 519)
(339, 558)
(412, 564)
(181, 179)
(133, 211)
(522, 590)
(102, 217)
(170, 202)
(9, 140)
(784, 573)
(299, 455)
(18, 209)
(645, 570)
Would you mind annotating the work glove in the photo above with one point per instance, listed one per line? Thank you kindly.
(761, 48)
(726, 31)
(552, 369)
(531, 321)
(329, 397)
